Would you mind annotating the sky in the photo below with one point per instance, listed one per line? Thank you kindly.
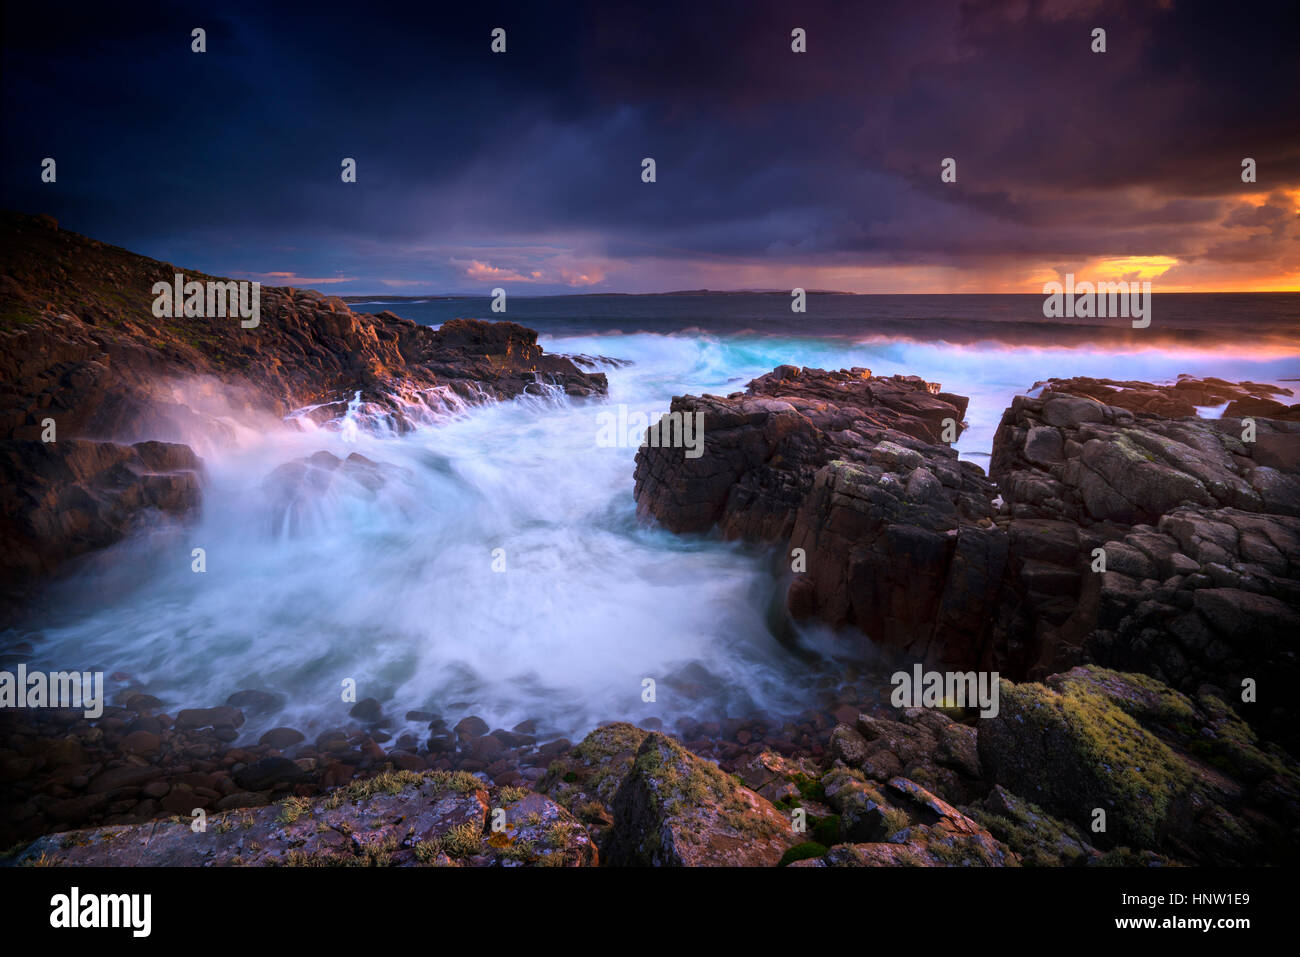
(773, 169)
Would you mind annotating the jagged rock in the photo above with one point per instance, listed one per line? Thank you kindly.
(1202, 549)
(1039, 839)
(1095, 451)
(929, 833)
(79, 345)
(678, 810)
(763, 447)
(64, 498)
(268, 772)
(398, 818)
(586, 778)
(923, 745)
(851, 469)
(1181, 777)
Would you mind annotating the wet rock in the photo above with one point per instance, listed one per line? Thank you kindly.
(89, 353)
(281, 738)
(224, 717)
(124, 777)
(137, 701)
(65, 498)
(367, 711)
(470, 727)
(268, 772)
(256, 702)
(141, 742)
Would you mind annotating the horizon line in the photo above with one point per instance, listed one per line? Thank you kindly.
(382, 297)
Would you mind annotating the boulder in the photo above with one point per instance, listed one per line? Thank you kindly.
(1186, 778)
(675, 809)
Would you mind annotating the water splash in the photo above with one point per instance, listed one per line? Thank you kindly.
(376, 561)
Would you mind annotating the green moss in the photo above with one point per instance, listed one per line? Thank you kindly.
(292, 808)
(951, 852)
(509, 795)
(391, 782)
(1038, 838)
(525, 851)
(557, 835)
(802, 852)
(426, 852)
(1111, 760)
(811, 788)
(610, 741)
(685, 782)
(1128, 857)
(894, 821)
(826, 830)
(463, 840)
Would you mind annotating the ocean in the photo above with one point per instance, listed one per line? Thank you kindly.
(501, 570)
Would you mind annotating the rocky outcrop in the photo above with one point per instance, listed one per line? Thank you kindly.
(1178, 780)
(922, 745)
(82, 357)
(764, 447)
(396, 819)
(141, 760)
(62, 499)
(896, 535)
(885, 531)
(1068, 454)
(676, 809)
(936, 833)
(1197, 519)
(79, 343)
(652, 802)
(1182, 777)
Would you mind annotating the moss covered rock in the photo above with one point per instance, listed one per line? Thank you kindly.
(677, 809)
(398, 818)
(1174, 776)
(1038, 838)
(585, 779)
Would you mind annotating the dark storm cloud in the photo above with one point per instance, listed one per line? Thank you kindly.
(529, 163)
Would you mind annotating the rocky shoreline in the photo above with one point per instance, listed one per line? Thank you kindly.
(126, 391)
(1182, 781)
(1127, 566)
(1106, 531)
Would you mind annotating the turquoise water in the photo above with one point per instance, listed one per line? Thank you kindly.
(395, 587)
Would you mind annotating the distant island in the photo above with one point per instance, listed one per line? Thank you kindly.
(590, 295)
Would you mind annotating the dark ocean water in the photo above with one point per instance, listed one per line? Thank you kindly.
(1239, 320)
